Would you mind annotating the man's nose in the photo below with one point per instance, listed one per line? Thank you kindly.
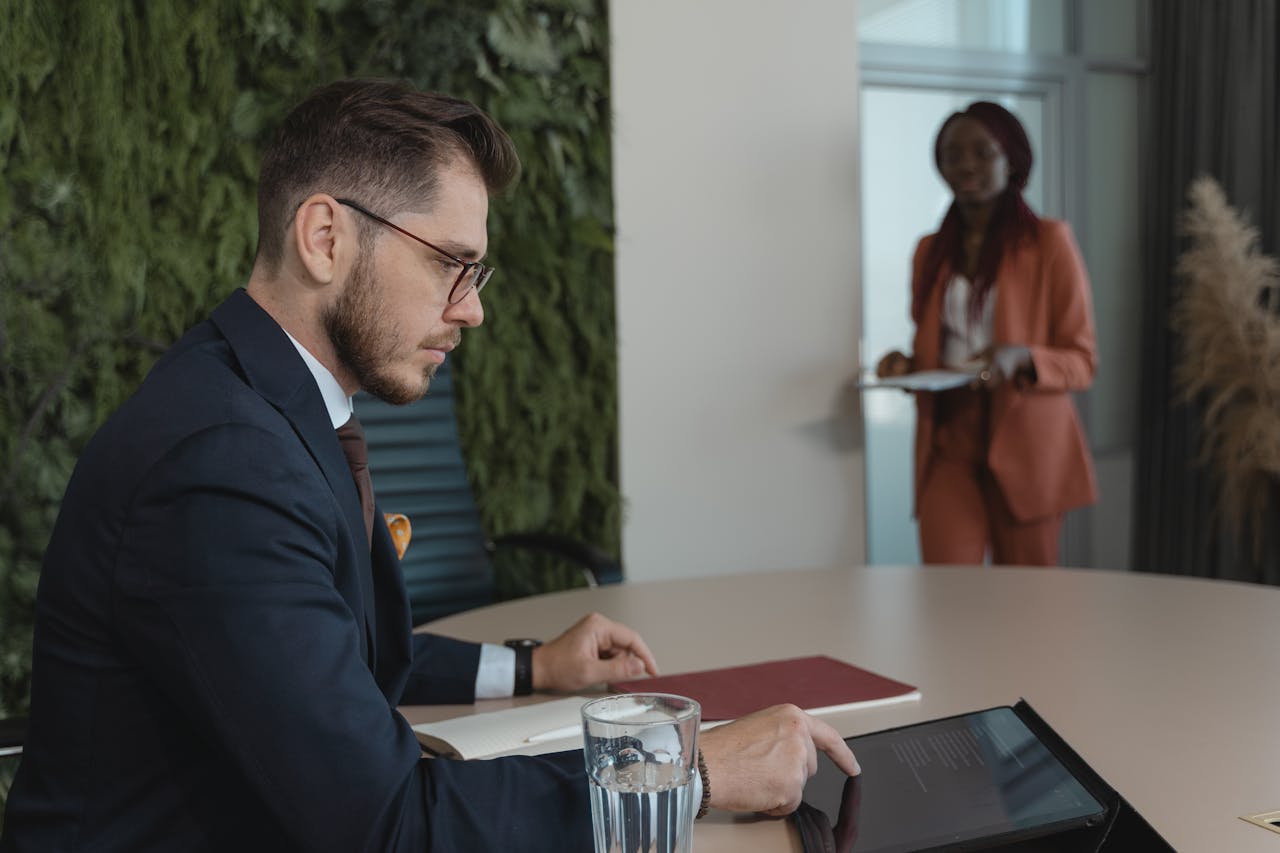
(467, 311)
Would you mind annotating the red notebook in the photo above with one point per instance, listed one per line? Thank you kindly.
(817, 684)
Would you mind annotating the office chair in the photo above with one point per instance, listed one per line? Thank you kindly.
(415, 458)
(13, 733)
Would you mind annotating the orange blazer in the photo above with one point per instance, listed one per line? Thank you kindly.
(1037, 451)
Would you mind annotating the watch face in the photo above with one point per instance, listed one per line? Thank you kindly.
(523, 643)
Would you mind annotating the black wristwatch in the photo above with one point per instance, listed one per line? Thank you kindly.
(524, 664)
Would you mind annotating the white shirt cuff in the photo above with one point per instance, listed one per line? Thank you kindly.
(496, 676)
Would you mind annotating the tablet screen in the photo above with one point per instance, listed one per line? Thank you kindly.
(975, 776)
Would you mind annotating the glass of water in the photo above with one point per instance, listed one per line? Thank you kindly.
(642, 757)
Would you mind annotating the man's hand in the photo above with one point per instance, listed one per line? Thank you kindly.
(761, 762)
(593, 651)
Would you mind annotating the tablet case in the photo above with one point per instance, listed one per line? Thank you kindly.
(1123, 830)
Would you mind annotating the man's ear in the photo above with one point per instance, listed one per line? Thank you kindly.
(322, 235)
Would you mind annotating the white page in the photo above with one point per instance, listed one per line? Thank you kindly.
(556, 725)
(923, 380)
(495, 732)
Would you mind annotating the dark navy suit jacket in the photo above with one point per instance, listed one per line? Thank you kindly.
(218, 657)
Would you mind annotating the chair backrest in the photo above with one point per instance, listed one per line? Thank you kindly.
(415, 459)
(13, 733)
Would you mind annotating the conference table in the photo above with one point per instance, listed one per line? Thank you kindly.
(1168, 686)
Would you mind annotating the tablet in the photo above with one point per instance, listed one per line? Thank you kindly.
(967, 782)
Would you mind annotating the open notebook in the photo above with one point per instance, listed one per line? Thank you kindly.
(557, 724)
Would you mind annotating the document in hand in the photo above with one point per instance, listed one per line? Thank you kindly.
(923, 380)
(557, 723)
(817, 684)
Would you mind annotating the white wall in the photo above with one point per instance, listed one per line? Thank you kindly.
(735, 153)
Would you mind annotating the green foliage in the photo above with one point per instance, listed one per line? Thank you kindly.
(129, 142)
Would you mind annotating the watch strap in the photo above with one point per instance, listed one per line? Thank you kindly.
(524, 665)
(524, 670)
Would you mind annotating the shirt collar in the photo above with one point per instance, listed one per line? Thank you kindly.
(335, 399)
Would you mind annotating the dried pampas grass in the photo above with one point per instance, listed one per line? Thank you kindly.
(1230, 354)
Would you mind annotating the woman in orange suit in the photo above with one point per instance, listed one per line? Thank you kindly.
(1001, 292)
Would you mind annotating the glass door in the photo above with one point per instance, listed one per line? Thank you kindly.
(904, 199)
(1072, 70)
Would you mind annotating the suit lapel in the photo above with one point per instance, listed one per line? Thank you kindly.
(928, 344)
(1015, 282)
(322, 442)
(393, 622)
(1006, 324)
(274, 369)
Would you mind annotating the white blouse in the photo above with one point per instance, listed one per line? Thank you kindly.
(964, 339)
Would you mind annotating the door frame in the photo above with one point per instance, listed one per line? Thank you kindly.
(1060, 81)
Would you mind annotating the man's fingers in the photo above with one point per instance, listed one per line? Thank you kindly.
(829, 741)
(620, 667)
(621, 638)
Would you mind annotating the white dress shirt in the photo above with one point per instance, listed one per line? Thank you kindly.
(963, 338)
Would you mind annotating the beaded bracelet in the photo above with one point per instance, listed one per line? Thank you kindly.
(706, 787)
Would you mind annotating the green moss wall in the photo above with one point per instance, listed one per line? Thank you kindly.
(129, 140)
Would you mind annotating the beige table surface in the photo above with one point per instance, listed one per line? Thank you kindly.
(1169, 687)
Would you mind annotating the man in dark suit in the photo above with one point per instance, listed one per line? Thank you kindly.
(222, 630)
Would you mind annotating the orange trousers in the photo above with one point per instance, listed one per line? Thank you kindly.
(962, 513)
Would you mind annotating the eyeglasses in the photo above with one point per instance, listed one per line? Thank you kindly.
(472, 275)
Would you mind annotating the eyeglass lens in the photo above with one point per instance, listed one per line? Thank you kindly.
(476, 276)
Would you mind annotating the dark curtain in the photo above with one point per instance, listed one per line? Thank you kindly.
(1213, 103)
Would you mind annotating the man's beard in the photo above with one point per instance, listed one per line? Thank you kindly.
(365, 339)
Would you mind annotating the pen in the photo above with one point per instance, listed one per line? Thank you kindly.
(566, 731)
(554, 734)
(576, 728)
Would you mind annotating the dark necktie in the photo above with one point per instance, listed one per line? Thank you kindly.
(351, 435)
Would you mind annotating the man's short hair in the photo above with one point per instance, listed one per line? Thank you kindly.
(381, 142)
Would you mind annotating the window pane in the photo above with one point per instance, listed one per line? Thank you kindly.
(1114, 217)
(1111, 28)
(1013, 26)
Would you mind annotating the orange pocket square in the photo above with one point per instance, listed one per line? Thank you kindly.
(401, 531)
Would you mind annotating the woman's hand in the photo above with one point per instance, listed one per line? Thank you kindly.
(1006, 363)
(894, 363)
